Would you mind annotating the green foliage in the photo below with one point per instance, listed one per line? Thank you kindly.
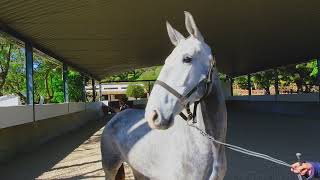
(47, 77)
(136, 91)
(126, 76)
(75, 83)
(151, 73)
(264, 80)
(303, 75)
(241, 81)
(223, 77)
(12, 71)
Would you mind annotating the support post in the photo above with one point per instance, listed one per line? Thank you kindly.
(318, 65)
(83, 88)
(276, 81)
(231, 86)
(65, 83)
(29, 73)
(249, 84)
(93, 90)
(100, 91)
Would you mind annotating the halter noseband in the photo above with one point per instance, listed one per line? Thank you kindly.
(183, 99)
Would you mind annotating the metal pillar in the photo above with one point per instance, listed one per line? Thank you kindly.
(93, 90)
(149, 87)
(318, 65)
(231, 86)
(65, 83)
(29, 73)
(249, 84)
(83, 88)
(276, 83)
(100, 91)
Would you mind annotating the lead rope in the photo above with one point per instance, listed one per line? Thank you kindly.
(243, 150)
(240, 149)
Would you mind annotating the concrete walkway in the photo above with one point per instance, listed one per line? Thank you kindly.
(77, 155)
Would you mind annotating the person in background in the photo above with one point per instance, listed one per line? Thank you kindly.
(307, 169)
(123, 104)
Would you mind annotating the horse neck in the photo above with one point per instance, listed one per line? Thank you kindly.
(212, 112)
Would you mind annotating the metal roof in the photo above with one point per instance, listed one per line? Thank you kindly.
(104, 37)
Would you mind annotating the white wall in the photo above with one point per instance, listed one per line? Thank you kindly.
(50, 110)
(15, 115)
(76, 107)
(9, 100)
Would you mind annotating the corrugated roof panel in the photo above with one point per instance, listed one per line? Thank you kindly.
(104, 37)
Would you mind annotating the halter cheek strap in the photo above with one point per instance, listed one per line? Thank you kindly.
(183, 99)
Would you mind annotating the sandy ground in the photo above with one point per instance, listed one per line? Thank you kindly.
(76, 155)
(82, 163)
(64, 158)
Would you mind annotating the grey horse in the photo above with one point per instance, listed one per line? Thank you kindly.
(156, 142)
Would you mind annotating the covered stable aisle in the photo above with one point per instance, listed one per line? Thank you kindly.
(77, 154)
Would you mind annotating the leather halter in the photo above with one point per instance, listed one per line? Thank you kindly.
(183, 99)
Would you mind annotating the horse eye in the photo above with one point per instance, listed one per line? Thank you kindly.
(187, 59)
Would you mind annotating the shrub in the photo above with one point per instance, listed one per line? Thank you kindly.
(136, 91)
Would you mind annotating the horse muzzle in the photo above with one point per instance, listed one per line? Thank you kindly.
(156, 121)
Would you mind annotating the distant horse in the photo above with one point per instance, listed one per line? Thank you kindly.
(158, 143)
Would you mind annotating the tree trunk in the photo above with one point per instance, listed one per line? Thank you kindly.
(5, 68)
(22, 97)
(267, 90)
(49, 95)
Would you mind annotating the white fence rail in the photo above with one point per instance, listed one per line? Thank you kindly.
(16, 115)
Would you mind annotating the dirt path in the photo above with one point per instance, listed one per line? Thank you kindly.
(65, 158)
(83, 163)
(77, 155)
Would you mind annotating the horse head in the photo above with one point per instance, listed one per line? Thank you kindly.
(184, 69)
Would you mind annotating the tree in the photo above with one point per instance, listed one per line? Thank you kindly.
(136, 91)
(242, 82)
(264, 80)
(75, 85)
(303, 75)
(47, 79)
(12, 68)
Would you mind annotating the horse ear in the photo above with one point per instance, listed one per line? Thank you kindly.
(191, 26)
(174, 35)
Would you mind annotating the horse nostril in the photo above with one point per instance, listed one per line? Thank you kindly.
(155, 115)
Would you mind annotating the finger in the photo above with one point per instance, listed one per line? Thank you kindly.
(296, 171)
(303, 172)
(300, 168)
(295, 165)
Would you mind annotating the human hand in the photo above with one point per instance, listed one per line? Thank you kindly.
(303, 169)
